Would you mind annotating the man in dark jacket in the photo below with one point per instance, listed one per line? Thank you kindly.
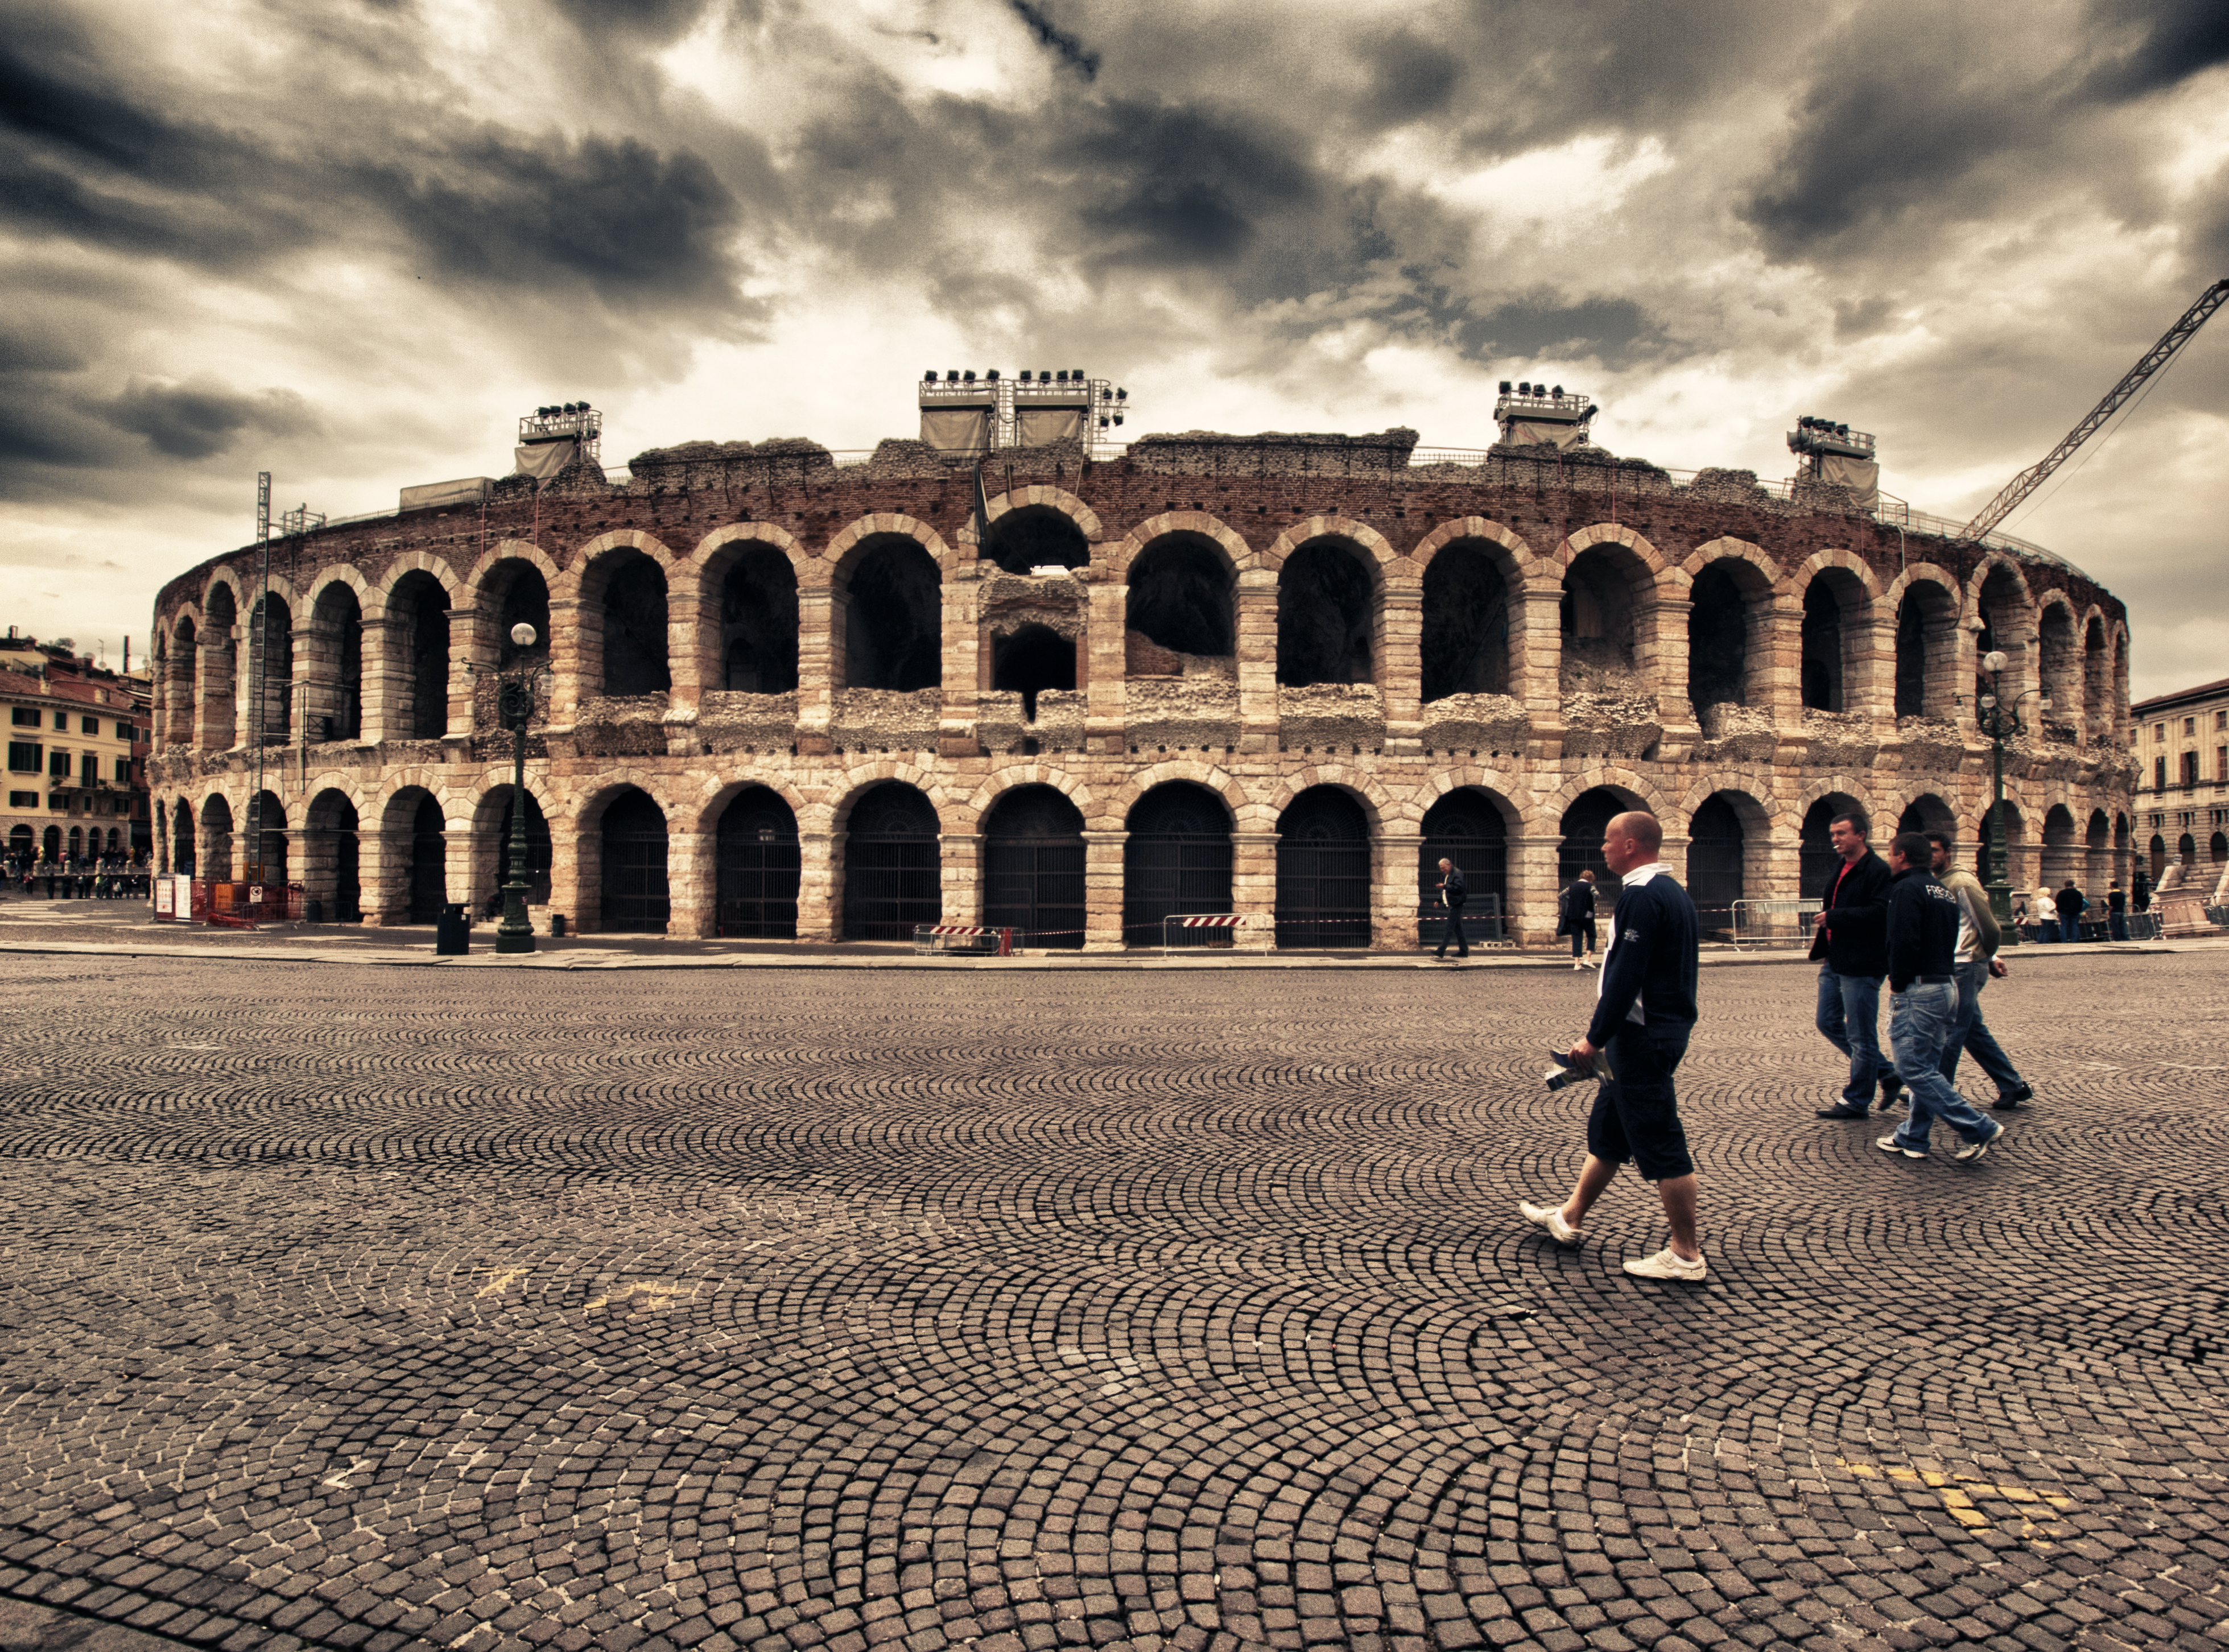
(1850, 944)
(1452, 897)
(1644, 1010)
(2071, 903)
(1577, 917)
(1922, 939)
(2116, 912)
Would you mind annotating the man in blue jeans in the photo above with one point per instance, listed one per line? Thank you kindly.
(1923, 938)
(1978, 940)
(1850, 943)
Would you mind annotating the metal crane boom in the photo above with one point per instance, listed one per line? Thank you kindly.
(2155, 358)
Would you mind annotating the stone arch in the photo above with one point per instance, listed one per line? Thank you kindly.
(215, 861)
(757, 861)
(1522, 559)
(976, 807)
(886, 629)
(1579, 825)
(623, 582)
(1181, 596)
(749, 627)
(1638, 790)
(1610, 578)
(1241, 556)
(271, 627)
(2060, 845)
(1374, 546)
(415, 606)
(623, 851)
(1730, 850)
(216, 716)
(844, 547)
(181, 679)
(332, 654)
(707, 814)
(1925, 599)
(490, 841)
(1837, 594)
(726, 541)
(1731, 589)
(1331, 604)
(1324, 892)
(2059, 661)
(382, 592)
(1069, 530)
(1816, 809)
(1213, 778)
(332, 865)
(1470, 589)
(858, 782)
(891, 869)
(1581, 540)
(2097, 676)
(1177, 858)
(1367, 788)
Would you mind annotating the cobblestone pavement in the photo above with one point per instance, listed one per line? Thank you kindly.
(356, 1308)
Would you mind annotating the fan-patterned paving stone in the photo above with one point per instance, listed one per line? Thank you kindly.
(375, 1309)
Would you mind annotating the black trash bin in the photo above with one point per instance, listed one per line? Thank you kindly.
(557, 924)
(313, 910)
(453, 931)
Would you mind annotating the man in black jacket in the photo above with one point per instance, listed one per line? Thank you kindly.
(1452, 897)
(1850, 944)
(1644, 1010)
(2071, 903)
(1922, 939)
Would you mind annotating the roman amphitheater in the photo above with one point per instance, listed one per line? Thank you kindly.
(784, 692)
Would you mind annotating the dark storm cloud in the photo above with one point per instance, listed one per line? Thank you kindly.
(1410, 78)
(1179, 186)
(651, 21)
(1071, 51)
(2175, 39)
(1613, 330)
(197, 420)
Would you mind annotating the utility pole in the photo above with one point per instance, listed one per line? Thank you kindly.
(260, 646)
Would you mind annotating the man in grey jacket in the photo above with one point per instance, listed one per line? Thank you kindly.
(1979, 937)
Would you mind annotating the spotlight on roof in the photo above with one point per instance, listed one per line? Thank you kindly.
(1121, 395)
(1060, 377)
(1506, 387)
(952, 375)
(990, 378)
(1025, 376)
(1557, 392)
(930, 377)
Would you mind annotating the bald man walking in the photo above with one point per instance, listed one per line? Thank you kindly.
(1644, 1012)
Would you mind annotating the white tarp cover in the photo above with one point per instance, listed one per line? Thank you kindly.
(1529, 432)
(469, 490)
(1041, 427)
(956, 430)
(1863, 475)
(544, 460)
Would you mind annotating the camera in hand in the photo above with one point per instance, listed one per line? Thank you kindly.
(1567, 1072)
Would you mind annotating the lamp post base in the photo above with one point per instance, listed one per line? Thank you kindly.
(507, 942)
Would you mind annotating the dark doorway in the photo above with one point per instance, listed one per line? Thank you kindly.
(1033, 659)
(1177, 861)
(1323, 872)
(1823, 647)
(759, 868)
(538, 854)
(1180, 596)
(893, 618)
(424, 606)
(1718, 638)
(348, 873)
(636, 897)
(893, 880)
(1716, 850)
(429, 862)
(634, 629)
(1466, 641)
(758, 624)
(267, 842)
(1325, 610)
(1581, 846)
(1464, 827)
(1036, 536)
(1033, 867)
(181, 839)
(335, 707)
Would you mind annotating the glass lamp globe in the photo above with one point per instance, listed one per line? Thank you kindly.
(1993, 661)
(1988, 702)
(524, 634)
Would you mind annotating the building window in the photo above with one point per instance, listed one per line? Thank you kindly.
(61, 721)
(23, 800)
(2190, 725)
(24, 716)
(2190, 769)
(2222, 719)
(2221, 762)
(89, 725)
(2159, 777)
(25, 757)
(124, 768)
(58, 765)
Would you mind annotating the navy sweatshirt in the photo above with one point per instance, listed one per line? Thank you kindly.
(1649, 975)
(1922, 928)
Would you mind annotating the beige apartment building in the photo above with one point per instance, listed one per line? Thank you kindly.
(2182, 782)
(77, 752)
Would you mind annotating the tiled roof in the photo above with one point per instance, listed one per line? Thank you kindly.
(2204, 690)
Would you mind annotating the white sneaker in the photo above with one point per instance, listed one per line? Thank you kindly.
(1667, 1264)
(1550, 1217)
(1972, 1150)
(1890, 1144)
(1576, 964)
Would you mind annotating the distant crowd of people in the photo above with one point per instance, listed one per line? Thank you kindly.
(79, 878)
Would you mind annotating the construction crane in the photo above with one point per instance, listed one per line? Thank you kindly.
(2018, 489)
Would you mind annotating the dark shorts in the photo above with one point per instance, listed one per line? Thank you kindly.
(1635, 1116)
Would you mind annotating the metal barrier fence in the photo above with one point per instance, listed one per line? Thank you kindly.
(1773, 923)
(997, 941)
(180, 899)
(1218, 931)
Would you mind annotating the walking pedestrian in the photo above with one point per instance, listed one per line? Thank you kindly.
(2116, 912)
(1453, 893)
(1923, 937)
(1979, 939)
(1850, 944)
(1577, 917)
(2071, 903)
(1644, 1014)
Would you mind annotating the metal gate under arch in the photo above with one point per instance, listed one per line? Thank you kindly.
(893, 879)
(429, 862)
(1323, 872)
(1177, 861)
(759, 868)
(636, 896)
(1033, 867)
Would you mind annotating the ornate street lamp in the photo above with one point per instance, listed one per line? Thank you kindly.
(515, 710)
(2001, 722)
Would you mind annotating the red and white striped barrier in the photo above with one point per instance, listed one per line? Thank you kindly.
(1240, 927)
(1213, 920)
(930, 937)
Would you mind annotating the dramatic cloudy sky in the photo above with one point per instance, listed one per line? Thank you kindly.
(349, 241)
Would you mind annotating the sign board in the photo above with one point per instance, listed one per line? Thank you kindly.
(256, 894)
(165, 898)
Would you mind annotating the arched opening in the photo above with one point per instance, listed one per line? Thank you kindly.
(216, 841)
(51, 844)
(2217, 848)
(1034, 658)
(758, 624)
(1582, 839)
(76, 844)
(267, 856)
(2016, 832)
(1928, 812)
(1599, 624)
(1926, 630)
(759, 866)
(334, 699)
(2058, 859)
(1033, 866)
(1999, 610)
(893, 617)
(332, 872)
(1717, 852)
(1181, 597)
(220, 672)
(893, 878)
(632, 606)
(516, 593)
(1466, 614)
(1036, 536)
(1176, 861)
(1826, 609)
(540, 850)
(635, 898)
(2159, 857)
(2096, 683)
(420, 606)
(1817, 865)
(2186, 847)
(183, 842)
(1467, 827)
(1719, 623)
(271, 669)
(178, 724)
(1327, 609)
(2061, 665)
(429, 860)
(1323, 871)
(22, 844)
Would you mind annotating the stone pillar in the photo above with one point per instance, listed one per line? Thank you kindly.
(960, 875)
(384, 691)
(1660, 654)
(459, 851)
(1400, 644)
(214, 718)
(383, 873)
(1102, 890)
(1394, 922)
(1533, 884)
(468, 653)
(1256, 614)
(1869, 666)
(692, 672)
(1673, 855)
(1106, 683)
(692, 882)
(819, 662)
(1536, 660)
(1253, 877)
(962, 660)
(568, 650)
(564, 868)
(316, 672)
(820, 873)
(1776, 662)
